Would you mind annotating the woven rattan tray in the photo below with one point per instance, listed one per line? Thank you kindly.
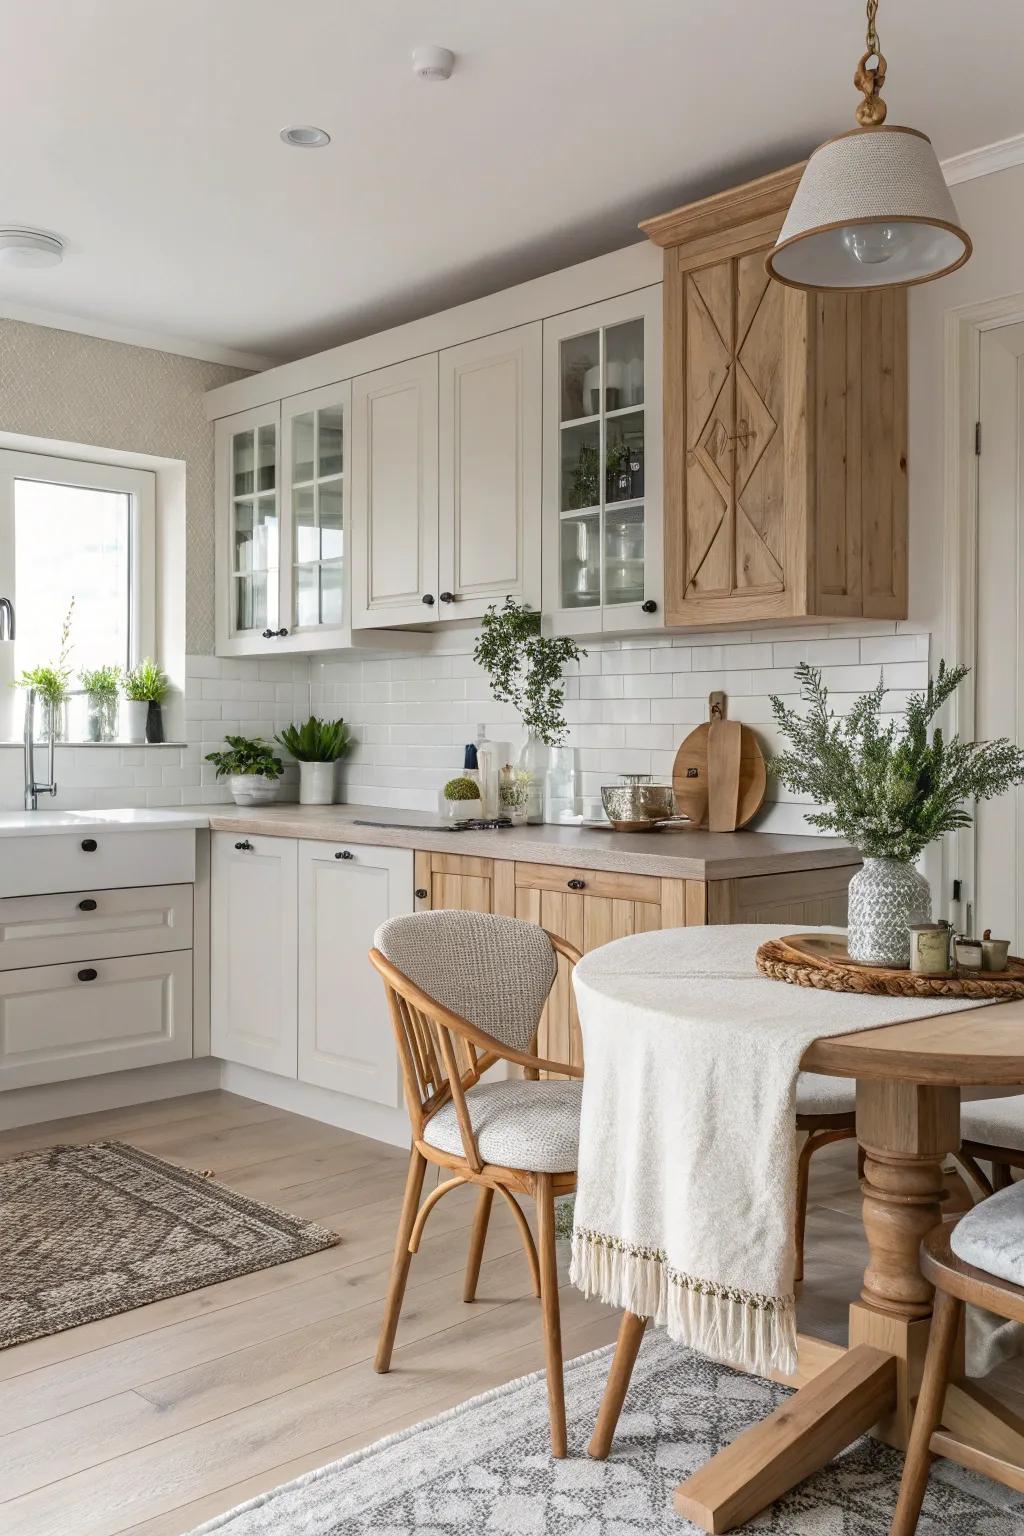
(821, 960)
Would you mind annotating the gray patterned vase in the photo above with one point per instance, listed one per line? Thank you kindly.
(886, 896)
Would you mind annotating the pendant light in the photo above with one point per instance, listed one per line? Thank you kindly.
(872, 209)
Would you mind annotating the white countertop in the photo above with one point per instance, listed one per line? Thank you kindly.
(41, 823)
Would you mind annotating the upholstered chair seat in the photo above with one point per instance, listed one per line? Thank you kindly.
(516, 1125)
(817, 1094)
(991, 1236)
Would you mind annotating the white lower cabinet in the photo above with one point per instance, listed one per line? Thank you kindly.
(63, 1021)
(253, 951)
(345, 1036)
(292, 989)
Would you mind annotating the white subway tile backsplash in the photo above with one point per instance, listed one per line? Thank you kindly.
(886, 648)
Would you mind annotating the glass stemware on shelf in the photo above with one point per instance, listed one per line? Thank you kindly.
(602, 466)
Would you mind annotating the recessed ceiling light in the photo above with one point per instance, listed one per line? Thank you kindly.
(305, 137)
(30, 248)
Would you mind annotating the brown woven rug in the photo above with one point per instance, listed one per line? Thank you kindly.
(89, 1231)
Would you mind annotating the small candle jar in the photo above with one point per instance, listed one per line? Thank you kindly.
(994, 952)
(968, 954)
(929, 949)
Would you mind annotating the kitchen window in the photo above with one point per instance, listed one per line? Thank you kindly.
(73, 531)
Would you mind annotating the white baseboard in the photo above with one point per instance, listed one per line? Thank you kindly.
(113, 1090)
(349, 1114)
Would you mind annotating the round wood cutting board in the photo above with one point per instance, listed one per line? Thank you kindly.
(690, 776)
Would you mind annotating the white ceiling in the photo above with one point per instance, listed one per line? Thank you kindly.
(146, 133)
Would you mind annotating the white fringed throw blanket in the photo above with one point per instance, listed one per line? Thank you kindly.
(687, 1164)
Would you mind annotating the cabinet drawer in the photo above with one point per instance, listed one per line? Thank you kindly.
(62, 1021)
(594, 882)
(49, 930)
(95, 860)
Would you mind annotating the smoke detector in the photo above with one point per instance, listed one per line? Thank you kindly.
(30, 248)
(432, 63)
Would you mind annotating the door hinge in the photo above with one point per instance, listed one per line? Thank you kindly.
(977, 437)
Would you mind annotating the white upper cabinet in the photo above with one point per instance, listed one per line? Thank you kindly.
(283, 502)
(394, 490)
(603, 564)
(489, 434)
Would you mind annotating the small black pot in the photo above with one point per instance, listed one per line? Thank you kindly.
(154, 723)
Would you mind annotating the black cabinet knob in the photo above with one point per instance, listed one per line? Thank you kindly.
(88, 974)
(346, 853)
(282, 633)
(88, 905)
(268, 634)
(421, 893)
(577, 885)
(447, 597)
(649, 607)
(428, 598)
(244, 847)
(89, 845)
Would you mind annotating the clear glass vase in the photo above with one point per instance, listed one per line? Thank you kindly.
(101, 717)
(535, 759)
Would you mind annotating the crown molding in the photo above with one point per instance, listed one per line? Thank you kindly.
(206, 352)
(984, 161)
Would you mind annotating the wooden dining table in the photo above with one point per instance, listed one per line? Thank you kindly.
(909, 1076)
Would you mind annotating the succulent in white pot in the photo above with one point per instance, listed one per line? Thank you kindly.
(252, 770)
(316, 747)
(460, 799)
(890, 790)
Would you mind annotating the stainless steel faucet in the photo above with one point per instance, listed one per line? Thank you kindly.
(6, 619)
(32, 789)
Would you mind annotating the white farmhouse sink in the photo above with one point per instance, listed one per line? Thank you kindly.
(39, 823)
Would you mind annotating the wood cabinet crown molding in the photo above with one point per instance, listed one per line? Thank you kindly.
(723, 210)
(785, 428)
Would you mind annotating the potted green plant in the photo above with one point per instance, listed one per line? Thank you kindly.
(525, 670)
(316, 747)
(145, 688)
(101, 686)
(890, 790)
(251, 768)
(51, 682)
(460, 799)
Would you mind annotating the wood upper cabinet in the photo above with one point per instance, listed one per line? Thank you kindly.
(489, 435)
(394, 494)
(785, 427)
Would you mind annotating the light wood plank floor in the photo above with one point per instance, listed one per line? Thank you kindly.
(148, 1423)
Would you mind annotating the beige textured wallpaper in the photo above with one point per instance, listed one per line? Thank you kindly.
(80, 389)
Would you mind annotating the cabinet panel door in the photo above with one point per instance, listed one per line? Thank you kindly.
(316, 508)
(253, 962)
(454, 882)
(489, 472)
(394, 494)
(248, 508)
(68, 1021)
(345, 1037)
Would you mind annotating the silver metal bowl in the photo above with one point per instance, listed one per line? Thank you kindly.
(637, 807)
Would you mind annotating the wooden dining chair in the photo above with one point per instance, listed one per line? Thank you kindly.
(825, 1112)
(466, 991)
(978, 1259)
(992, 1131)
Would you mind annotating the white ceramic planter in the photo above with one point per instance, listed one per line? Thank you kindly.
(316, 783)
(252, 788)
(132, 717)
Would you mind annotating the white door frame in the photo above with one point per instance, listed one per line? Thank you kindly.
(964, 328)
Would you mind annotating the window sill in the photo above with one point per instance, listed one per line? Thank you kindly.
(63, 746)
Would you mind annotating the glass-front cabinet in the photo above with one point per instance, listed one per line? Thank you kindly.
(283, 522)
(602, 466)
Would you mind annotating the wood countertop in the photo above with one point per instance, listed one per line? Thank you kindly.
(679, 854)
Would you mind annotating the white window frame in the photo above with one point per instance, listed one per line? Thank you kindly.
(139, 484)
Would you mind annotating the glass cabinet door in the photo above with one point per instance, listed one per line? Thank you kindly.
(315, 454)
(601, 377)
(254, 528)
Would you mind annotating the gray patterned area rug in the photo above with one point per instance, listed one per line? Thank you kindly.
(93, 1230)
(484, 1469)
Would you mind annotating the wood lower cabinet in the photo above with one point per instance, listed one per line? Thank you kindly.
(457, 883)
(785, 427)
(345, 1037)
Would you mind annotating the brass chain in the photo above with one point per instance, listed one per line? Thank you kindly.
(871, 37)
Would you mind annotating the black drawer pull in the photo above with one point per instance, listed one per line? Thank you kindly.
(649, 607)
(345, 853)
(421, 893)
(89, 845)
(88, 974)
(576, 885)
(244, 847)
(447, 597)
(88, 905)
(428, 598)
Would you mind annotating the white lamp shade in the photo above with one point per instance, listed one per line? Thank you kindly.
(872, 211)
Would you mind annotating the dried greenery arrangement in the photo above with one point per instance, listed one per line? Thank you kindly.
(890, 789)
